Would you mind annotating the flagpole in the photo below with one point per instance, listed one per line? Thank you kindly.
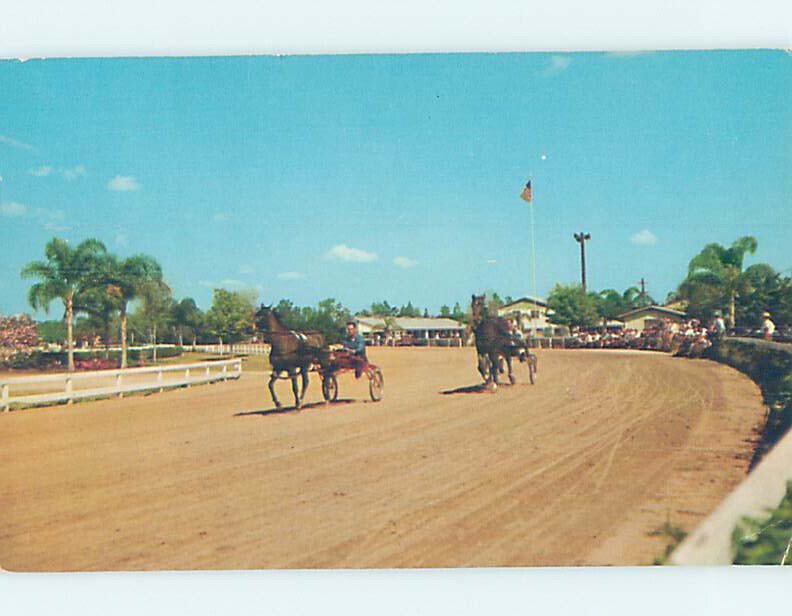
(533, 259)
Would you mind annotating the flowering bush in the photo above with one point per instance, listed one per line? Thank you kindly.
(18, 337)
(96, 364)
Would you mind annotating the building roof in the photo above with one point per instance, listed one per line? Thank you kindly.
(536, 301)
(662, 309)
(413, 323)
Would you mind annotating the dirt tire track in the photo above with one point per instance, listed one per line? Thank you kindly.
(577, 469)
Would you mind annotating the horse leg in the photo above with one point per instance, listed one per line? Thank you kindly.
(494, 367)
(482, 367)
(295, 389)
(512, 380)
(304, 374)
(273, 378)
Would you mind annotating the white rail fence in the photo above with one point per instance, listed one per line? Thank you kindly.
(47, 389)
(231, 349)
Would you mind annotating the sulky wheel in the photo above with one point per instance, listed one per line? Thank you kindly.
(330, 388)
(376, 385)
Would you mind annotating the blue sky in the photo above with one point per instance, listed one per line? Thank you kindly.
(397, 177)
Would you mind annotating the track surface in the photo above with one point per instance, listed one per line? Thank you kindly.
(577, 469)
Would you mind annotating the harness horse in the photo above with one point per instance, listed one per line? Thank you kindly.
(495, 344)
(292, 352)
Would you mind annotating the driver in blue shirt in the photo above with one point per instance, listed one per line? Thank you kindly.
(354, 344)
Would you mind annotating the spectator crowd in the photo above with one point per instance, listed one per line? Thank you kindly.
(687, 338)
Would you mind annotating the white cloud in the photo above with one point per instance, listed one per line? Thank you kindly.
(228, 282)
(291, 276)
(492, 261)
(405, 262)
(247, 269)
(12, 208)
(342, 252)
(16, 144)
(54, 226)
(557, 64)
(644, 238)
(122, 240)
(75, 172)
(123, 183)
(41, 172)
(221, 217)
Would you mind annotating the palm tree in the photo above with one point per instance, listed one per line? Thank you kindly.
(720, 269)
(127, 280)
(67, 274)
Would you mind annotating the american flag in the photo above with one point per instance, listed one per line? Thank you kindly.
(526, 193)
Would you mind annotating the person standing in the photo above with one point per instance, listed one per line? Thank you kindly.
(768, 327)
(719, 325)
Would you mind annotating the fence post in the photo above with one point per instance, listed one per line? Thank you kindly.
(69, 389)
(6, 403)
(159, 381)
(187, 376)
(207, 373)
(225, 372)
(119, 381)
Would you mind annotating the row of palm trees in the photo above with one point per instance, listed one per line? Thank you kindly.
(89, 277)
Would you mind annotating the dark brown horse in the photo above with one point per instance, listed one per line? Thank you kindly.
(292, 352)
(493, 341)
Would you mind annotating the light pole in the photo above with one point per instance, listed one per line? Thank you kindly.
(581, 238)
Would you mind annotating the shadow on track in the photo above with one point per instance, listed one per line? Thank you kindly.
(292, 409)
(470, 389)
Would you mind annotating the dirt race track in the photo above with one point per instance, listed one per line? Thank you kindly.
(578, 469)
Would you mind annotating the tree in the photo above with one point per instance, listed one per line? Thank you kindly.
(610, 304)
(101, 310)
(445, 311)
(458, 314)
(187, 317)
(409, 310)
(715, 278)
(383, 308)
(231, 316)
(51, 331)
(126, 280)
(633, 298)
(156, 309)
(493, 302)
(766, 290)
(66, 274)
(572, 306)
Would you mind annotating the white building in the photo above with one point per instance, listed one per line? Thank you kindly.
(532, 314)
(395, 330)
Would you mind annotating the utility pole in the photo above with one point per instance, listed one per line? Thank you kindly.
(581, 239)
(643, 291)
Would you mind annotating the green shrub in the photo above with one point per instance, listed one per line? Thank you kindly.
(36, 360)
(766, 541)
(770, 366)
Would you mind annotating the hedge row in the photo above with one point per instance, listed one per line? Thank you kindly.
(769, 364)
(46, 360)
